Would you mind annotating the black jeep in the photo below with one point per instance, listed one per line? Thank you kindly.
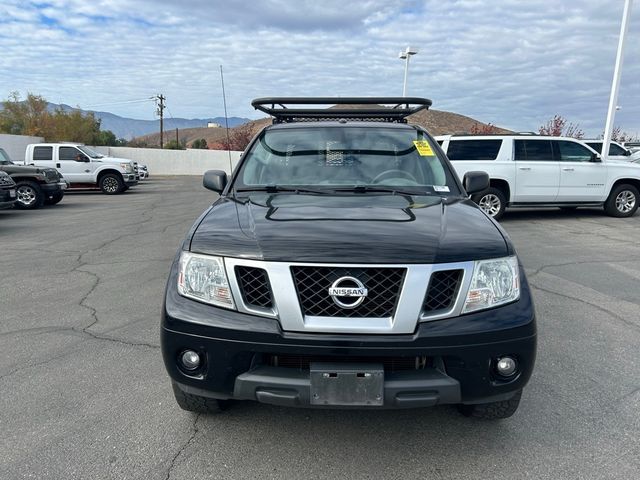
(35, 186)
(345, 266)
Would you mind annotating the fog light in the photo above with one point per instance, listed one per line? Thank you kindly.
(506, 366)
(190, 360)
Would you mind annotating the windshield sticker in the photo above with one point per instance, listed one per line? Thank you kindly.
(423, 147)
(440, 188)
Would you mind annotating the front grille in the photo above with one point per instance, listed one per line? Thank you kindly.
(255, 287)
(383, 285)
(391, 364)
(442, 291)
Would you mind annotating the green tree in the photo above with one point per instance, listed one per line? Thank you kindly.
(107, 138)
(175, 145)
(200, 143)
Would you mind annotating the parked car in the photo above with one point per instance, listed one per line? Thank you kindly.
(84, 168)
(143, 171)
(8, 193)
(535, 171)
(344, 265)
(632, 146)
(616, 151)
(35, 186)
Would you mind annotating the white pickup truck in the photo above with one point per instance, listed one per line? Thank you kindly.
(531, 170)
(84, 168)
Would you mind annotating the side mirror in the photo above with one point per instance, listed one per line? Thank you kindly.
(627, 153)
(595, 158)
(475, 182)
(214, 180)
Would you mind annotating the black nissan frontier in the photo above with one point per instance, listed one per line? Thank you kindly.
(344, 266)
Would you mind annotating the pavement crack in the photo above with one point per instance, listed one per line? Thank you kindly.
(594, 305)
(582, 262)
(107, 338)
(194, 432)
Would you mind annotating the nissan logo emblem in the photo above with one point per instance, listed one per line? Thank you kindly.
(347, 292)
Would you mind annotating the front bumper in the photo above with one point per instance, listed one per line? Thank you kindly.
(461, 354)
(53, 188)
(130, 179)
(8, 197)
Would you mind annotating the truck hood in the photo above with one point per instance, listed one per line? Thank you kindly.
(25, 169)
(358, 228)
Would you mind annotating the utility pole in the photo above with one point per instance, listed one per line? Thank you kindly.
(617, 71)
(161, 106)
(177, 141)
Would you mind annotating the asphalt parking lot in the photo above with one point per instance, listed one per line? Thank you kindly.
(84, 394)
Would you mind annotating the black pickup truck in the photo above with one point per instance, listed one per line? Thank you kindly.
(35, 186)
(344, 266)
(7, 191)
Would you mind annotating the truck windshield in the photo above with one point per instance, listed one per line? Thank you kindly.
(88, 152)
(332, 158)
(4, 158)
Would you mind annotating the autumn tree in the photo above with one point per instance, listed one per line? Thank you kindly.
(33, 116)
(558, 127)
(617, 135)
(239, 138)
(28, 117)
(484, 129)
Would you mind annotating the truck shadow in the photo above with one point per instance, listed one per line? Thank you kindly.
(550, 214)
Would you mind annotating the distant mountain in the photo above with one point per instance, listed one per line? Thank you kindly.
(129, 128)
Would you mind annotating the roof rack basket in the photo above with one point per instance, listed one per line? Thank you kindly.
(381, 109)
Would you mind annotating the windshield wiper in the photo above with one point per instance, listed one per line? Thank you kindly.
(279, 189)
(381, 189)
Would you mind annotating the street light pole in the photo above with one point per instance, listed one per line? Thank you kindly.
(613, 99)
(405, 56)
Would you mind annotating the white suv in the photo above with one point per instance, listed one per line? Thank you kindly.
(532, 170)
(616, 151)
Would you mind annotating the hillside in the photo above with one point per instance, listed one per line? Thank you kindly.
(213, 136)
(128, 128)
(437, 122)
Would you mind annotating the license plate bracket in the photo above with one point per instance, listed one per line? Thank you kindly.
(345, 384)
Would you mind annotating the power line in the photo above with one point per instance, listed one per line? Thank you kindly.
(120, 103)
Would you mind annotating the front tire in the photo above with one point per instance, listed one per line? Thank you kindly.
(492, 201)
(196, 403)
(492, 410)
(111, 184)
(54, 199)
(622, 201)
(30, 196)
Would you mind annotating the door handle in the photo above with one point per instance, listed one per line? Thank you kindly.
(525, 168)
(87, 171)
(567, 169)
(57, 165)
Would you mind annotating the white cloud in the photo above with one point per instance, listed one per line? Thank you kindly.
(511, 63)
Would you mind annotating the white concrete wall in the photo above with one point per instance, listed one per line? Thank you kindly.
(16, 145)
(175, 162)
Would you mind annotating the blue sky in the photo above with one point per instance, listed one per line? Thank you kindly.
(511, 63)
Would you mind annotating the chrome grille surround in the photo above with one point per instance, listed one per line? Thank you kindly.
(408, 312)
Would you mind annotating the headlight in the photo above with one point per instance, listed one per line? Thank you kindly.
(127, 167)
(203, 277)
(495, 282)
